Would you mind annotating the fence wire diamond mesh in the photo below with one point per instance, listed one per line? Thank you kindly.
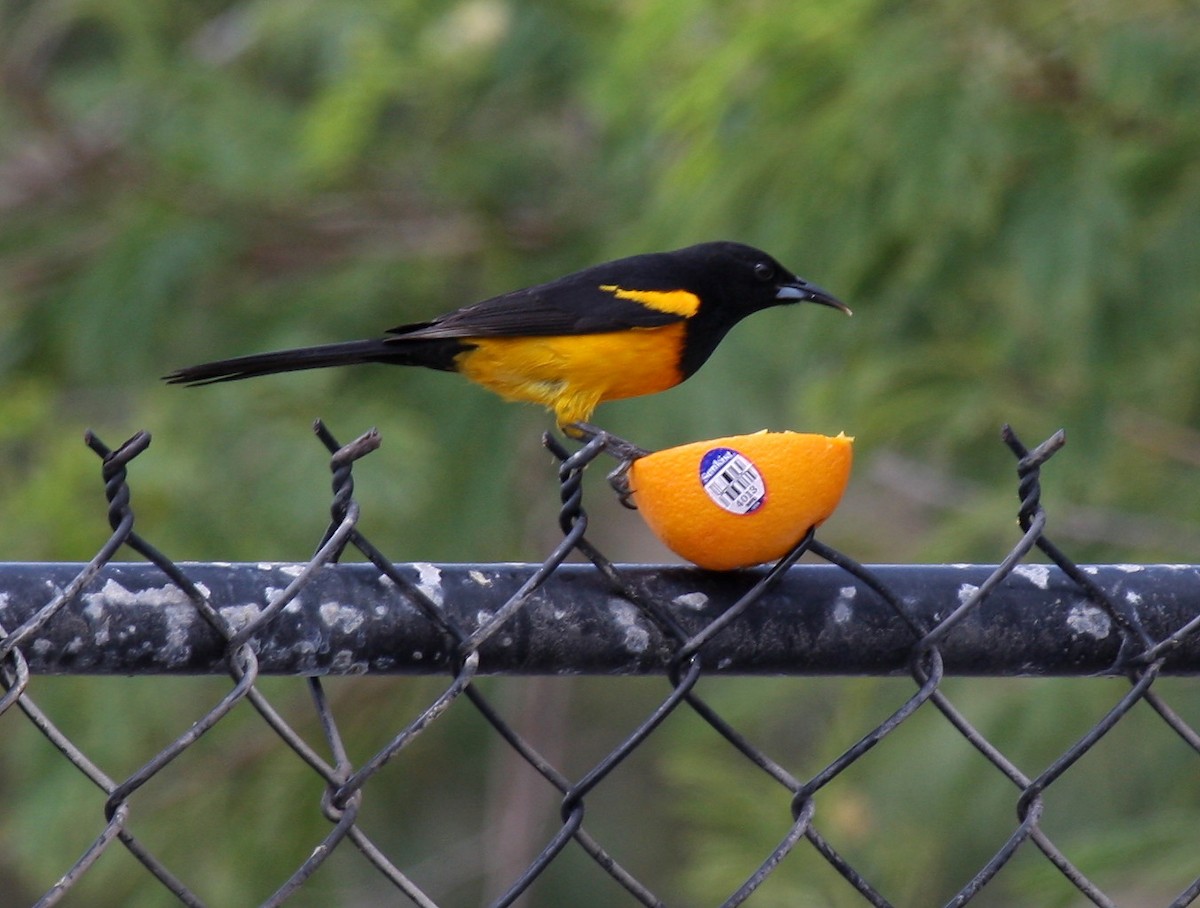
(683, 649)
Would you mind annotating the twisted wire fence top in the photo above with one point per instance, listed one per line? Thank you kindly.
(460, 622)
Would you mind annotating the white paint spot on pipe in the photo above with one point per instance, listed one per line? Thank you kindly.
(693, 601)
(843, 609)
(179, 620)
(1089, 621)
(637, 638)
(429, 581)
(238, 616)
(113, 593)
(1037, 574)
(336, 616)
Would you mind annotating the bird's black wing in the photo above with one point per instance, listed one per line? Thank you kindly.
(572, 305)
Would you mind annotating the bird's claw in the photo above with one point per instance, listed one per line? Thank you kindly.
(625, 451)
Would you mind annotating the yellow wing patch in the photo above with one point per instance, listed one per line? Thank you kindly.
(676, 302)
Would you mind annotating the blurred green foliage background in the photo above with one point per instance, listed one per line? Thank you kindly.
(1007, 194)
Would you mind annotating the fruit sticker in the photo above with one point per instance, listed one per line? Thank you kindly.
(732, 481)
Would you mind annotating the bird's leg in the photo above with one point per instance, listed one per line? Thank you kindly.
(614, 445)
(619, 480)
(625, 451)
(576, 431)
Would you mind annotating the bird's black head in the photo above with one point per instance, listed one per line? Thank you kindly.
(734, 280)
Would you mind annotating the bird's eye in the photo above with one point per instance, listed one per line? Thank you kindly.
(764, 272)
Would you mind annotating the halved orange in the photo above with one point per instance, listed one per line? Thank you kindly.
(741, 500)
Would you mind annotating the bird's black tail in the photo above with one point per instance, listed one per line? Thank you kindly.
(433, 354)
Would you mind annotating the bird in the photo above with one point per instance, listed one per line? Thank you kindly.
(625, 328)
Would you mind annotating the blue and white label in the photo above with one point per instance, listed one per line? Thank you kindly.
(732, 481)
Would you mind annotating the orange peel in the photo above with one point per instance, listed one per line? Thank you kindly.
(741, 500)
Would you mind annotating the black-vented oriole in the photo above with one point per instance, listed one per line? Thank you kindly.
(633, 326)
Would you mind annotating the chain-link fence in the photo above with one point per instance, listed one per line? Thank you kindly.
(465, 621)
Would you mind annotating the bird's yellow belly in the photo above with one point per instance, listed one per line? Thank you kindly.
(571, 374)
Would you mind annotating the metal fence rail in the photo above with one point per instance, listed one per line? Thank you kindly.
(814, 620)
(463, 621)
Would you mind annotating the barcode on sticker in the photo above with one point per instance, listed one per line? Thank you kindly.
(732, 481)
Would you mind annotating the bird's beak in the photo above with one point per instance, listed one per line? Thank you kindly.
(801, 291)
